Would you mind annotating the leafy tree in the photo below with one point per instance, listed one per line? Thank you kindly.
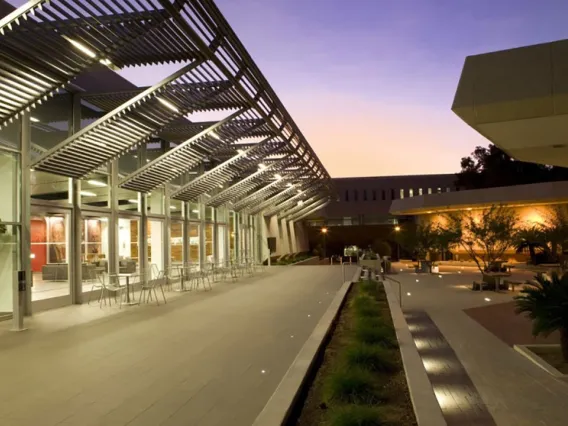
(491, 167)
(418, 239)
(555, 229)
(533, 239)
(485, 237)
(545, 301)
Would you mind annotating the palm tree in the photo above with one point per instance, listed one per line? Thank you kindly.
(532, 239)
(545, 301)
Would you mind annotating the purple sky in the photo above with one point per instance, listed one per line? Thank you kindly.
(370, 82)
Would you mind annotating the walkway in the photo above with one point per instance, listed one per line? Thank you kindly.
(203, 359)
(512, 389)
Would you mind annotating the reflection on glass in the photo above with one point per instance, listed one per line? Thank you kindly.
(49, 187)
(221, 233)
(9, 264)
(176, 242)
(155, 246)
(128, 249)
(94, 249)
(155, 202)
(193, 211)
(209, 214)
(49, 255)
(176, 208)
(232, 236)
(209, 242)
(95, 190)
(194, 243)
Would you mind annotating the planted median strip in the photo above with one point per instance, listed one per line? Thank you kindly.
(360, 381)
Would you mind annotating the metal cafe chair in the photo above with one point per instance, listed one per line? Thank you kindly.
(113, 287)
(148, 288)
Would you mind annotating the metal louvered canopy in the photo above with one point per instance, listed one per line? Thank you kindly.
(45, 44)
(225, 172)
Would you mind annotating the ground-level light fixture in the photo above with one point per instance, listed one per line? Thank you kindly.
(324, 230)
(397, 228)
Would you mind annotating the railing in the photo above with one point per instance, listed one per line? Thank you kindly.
(399, 287)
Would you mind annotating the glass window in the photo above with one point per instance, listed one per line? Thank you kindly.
(355, 195)
(384, 195)
(94, 249)
(209, 242)
(439, 190)
(176, 208)
(401, 194)
(128, 249)
(176, 242)
(155, 202)
(10, 255)
(128, 200)
(419, 191)
(232, 230)
(95, 190)
(44, 186)
(221, 233)
(221, 214)
(411, 192)
(193, 211)
(155, 246)
(209, 214)
(49, 255)
(448, 189)
(429, 190)
(194, 243)
(347, 195)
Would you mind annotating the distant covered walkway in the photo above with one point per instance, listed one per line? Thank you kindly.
(212, 358)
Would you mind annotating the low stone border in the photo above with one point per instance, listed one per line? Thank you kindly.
(526, 351)
(426, 407)
(303, 261)
(280, 405)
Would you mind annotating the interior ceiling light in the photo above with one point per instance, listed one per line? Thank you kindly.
(34, 120)
(133, 201)
(172, 207)
(96, 183)
(168, 104)
(81, 47)
(88, 194)
(195, 211)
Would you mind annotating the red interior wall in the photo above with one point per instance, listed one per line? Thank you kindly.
(38, 235)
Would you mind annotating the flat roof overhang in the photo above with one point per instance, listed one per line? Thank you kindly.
(518, 99)
(520, 195)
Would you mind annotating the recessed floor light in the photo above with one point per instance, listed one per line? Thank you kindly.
(408, 294)
(487, 299)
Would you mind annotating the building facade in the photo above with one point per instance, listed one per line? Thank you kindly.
(100, 177)
(367, 200)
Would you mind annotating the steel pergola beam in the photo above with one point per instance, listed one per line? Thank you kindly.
(315, 208)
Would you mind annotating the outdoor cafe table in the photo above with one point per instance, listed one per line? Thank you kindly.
(128, 301)
(497, 276)
(182, 269)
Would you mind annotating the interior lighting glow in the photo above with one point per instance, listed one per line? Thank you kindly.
(195, 211)
(168, 104)
(133, 201)
(96, 183)
(80, 46)
(34, 120)
(88, 194)
(172, 207)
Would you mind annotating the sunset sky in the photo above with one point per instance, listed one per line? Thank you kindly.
(370, 82)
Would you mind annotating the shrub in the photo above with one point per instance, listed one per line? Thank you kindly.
(368, 287)
(365, 306)
(349, 385)
(370, 357)
(369, 333)
(356, 415)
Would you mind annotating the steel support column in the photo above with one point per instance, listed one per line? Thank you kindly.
(75, 260)
(113, 242)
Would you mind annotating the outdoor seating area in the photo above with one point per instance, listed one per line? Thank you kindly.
(153, 284)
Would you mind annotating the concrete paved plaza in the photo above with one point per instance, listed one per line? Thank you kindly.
(513, 390)
(208, 358)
